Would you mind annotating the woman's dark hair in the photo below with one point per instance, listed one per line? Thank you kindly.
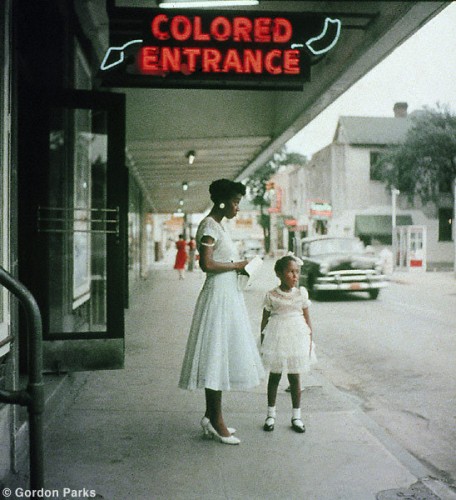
(224, 189)
(282, 263)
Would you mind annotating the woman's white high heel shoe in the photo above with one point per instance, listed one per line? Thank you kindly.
(205, 421)
(222, 439)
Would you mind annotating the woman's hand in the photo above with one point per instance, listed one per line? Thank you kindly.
(240, 266)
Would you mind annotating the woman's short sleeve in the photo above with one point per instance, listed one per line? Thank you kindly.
(267, 303)
(207, 228)
(305, 297)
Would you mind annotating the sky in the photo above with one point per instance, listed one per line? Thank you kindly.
(421, 72)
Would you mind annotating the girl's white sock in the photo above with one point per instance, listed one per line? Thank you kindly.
(296, 413)
(272, 411)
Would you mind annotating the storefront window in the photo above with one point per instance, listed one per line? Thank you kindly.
(75, 222)
(83, 157)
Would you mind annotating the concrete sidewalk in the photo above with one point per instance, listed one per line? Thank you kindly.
(132, 434)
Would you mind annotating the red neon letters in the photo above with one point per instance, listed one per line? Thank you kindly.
(220, 46)
(157, 60)
(240, 29)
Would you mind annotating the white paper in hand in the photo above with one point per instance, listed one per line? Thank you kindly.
(252, 269)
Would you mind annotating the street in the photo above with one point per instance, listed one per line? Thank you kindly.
(396, 354)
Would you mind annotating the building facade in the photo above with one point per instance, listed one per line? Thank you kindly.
(342, 177)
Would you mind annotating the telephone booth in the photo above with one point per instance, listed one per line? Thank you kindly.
(411, 248)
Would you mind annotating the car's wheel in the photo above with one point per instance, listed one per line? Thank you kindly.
(373, 294)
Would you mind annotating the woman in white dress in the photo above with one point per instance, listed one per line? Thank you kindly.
(221, 352)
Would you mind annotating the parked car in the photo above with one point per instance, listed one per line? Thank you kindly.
(339, 265)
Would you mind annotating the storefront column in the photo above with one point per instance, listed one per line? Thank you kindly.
(144, 247)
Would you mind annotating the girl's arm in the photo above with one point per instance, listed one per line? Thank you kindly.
(208, 264)
(305, 311)
(264, 322)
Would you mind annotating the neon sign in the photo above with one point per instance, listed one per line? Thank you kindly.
(217, 49)
(327, 39)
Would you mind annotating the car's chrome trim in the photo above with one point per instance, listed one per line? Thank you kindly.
(349, 286)
(352, 271)
(351, 278)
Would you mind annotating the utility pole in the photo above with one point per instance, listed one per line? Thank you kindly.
(453, 225)
(394, 193)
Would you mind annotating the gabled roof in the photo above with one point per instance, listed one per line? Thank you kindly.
(371, 130)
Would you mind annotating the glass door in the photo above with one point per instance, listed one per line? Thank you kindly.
(82, 228)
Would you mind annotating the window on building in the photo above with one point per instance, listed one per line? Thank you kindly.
(375, 171)
(446, 218)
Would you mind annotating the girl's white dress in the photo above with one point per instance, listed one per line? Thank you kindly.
(287, 342)
(221, 351)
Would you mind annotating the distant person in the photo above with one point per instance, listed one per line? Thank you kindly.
(221, 353)
(191, 254)
(286, 338)
(181, 256)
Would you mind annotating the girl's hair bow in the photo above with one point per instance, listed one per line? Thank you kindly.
(297, 259)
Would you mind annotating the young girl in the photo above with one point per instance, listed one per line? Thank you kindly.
(286, 338)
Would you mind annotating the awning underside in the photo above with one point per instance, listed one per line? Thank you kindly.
(379, 225)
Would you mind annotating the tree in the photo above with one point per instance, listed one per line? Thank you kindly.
(257, 185)
(425, 164)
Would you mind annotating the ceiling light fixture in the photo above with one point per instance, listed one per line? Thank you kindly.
(181, 202)
(195, 4)
(191, 155)
(184, 186)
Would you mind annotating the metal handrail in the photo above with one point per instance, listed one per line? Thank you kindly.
(33, 395)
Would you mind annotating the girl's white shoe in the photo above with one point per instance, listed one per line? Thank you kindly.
(297, 425)
(205, 421)
(222, 439)
(269, 424)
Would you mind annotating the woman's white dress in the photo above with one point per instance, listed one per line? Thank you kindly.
(221, 351)
(287, 342)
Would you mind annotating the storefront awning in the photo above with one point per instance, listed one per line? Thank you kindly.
(379, 225)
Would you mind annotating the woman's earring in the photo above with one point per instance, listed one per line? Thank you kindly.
(222, 205)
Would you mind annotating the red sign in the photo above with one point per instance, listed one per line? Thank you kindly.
(320, 210)
(290, 222)
(153, 48)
